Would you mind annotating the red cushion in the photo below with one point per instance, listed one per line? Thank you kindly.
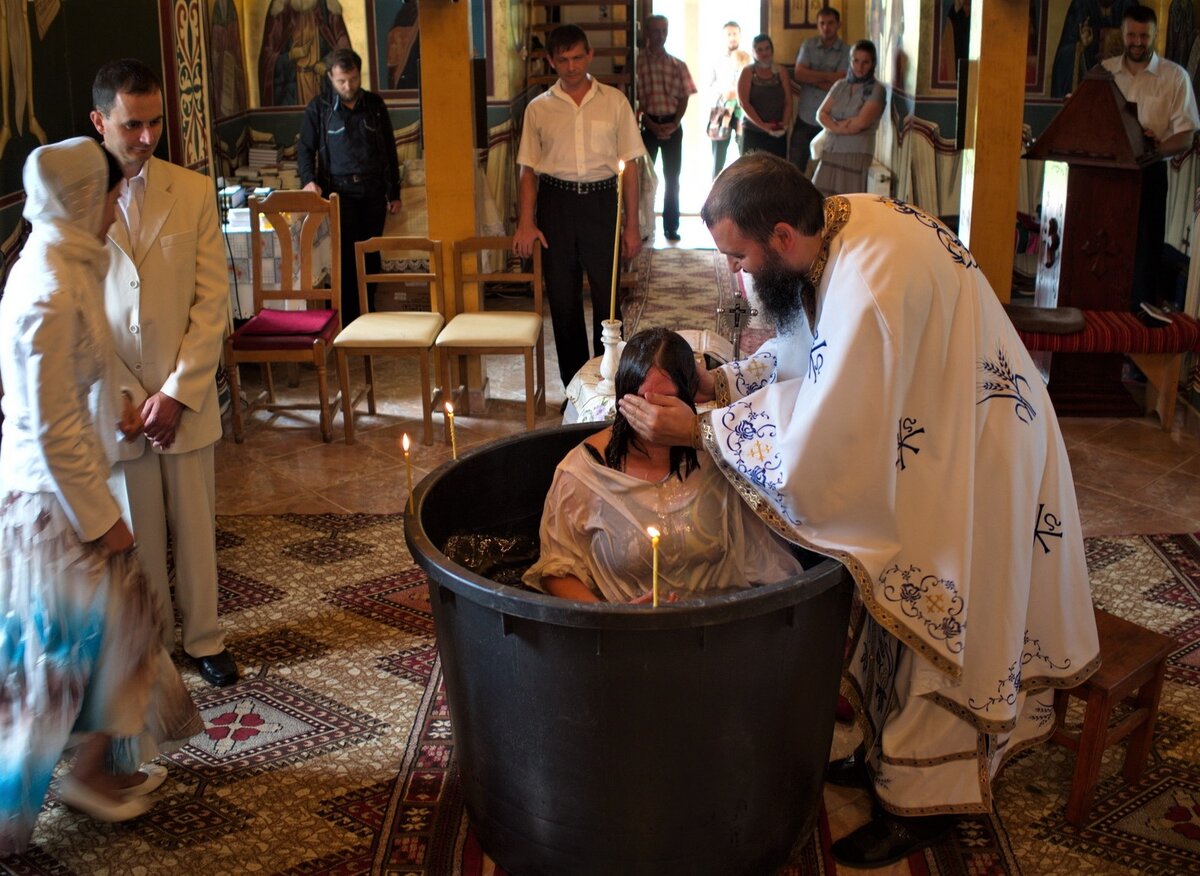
(287, 322)
(1111, 331)
(244, 339)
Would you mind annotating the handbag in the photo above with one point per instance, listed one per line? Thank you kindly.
(720, 120)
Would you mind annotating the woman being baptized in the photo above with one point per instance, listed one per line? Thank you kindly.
(609, 489)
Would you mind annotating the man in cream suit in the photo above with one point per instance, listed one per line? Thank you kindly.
(167, 300)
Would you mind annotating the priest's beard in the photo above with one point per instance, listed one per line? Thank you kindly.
(778, 288)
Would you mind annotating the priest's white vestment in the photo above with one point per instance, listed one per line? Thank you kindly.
(916, 443)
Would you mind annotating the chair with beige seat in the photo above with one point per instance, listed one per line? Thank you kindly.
(496, 332)
(290, 336)
(391, 333)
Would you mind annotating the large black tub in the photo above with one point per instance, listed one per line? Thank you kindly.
(625, 739)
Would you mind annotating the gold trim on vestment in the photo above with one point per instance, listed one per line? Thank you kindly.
(721, 388)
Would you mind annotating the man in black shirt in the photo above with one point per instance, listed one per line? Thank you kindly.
(346, 146)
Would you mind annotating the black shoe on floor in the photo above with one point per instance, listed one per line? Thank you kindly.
(672, 236)
(849, 772)
(889, 838)
(219, 670)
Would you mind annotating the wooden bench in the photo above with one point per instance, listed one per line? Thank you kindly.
(1133, 665)
(1158, 352)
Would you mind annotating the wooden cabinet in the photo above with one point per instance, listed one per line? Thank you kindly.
(1096, 155)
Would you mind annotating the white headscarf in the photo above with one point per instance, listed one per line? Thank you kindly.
(65, 188)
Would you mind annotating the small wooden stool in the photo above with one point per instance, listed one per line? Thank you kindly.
(1134, 662)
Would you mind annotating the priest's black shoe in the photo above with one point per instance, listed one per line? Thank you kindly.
(849, 772)
(890, 838)
(219, 670)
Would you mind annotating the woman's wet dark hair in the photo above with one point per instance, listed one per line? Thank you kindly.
(669, 351)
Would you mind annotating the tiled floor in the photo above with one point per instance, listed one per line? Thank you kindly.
(1130, 476)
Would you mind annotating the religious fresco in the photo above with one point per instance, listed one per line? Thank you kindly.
(227, 52)
(16, 64)
(398, 45)
(1091, 32)
(287, 41)
(950, 32)
(192, 105)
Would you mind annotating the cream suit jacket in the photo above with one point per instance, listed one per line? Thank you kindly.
(168, 308)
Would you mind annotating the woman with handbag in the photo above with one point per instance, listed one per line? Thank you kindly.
(725, 114)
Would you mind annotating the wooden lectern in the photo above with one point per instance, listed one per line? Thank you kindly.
(1095, 154)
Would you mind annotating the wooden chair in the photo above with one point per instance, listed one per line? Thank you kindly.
(496, 332)
(1133, 665)
(391, 333)
(290, 336)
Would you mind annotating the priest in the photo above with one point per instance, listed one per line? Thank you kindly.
(898, 425)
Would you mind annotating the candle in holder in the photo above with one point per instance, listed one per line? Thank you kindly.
(450, 429)
(654, 537)
(616, 274)
(408, 469)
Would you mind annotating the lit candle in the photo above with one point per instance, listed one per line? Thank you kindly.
(408, 469)
(616, 274)
(450, 429)
(654, 537)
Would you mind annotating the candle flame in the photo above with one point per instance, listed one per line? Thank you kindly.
(620, 167)
(404, 442)
(652, 532)
(449, 409)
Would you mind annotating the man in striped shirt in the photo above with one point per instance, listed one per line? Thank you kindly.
(663, 88)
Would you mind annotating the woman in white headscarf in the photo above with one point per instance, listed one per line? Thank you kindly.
(850, 115)
(82, 667)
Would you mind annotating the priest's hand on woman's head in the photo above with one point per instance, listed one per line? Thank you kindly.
(658, 418)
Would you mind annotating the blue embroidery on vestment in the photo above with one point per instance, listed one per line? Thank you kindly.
(1008, 687)
(751, 442)
(1048, 526)
(1000, 381)
(947, 238)
(816, 358)
(752, 374)
(904, 435)
(932, 600)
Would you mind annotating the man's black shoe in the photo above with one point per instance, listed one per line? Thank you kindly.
(672, 236)
(890, 838)
(849, 772)
(219, 670)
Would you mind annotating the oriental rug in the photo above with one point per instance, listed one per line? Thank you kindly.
(335, 753)
(682, 289)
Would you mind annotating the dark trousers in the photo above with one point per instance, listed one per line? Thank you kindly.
(721, 150)
(1152, 230)
(363, 208)
(800, 152)
(580, 231)
(672, 161)
(754, 140)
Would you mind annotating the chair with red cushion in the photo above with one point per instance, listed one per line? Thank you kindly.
(275, 334)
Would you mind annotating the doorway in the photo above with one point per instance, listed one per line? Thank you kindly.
(697, 36)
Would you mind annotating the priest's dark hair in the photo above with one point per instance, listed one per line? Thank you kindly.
(760, 190)
(670, 352)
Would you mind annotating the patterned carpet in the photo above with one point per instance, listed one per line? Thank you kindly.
(335, 754)
(677, 292)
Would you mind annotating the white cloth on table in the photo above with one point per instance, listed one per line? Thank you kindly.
(918, 446)
(594, 527)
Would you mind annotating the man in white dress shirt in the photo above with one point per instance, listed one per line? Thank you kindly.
(573, 136)
(167, 301)
(1166, 109)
